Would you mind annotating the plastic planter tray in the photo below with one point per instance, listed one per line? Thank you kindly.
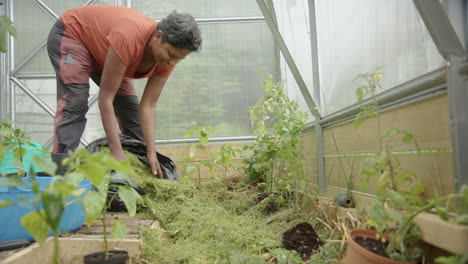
(10, 217)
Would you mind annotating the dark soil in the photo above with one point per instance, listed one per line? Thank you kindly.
(261, 197)
(376, 246)
(303, 239)
(271, 208)
(115, 256)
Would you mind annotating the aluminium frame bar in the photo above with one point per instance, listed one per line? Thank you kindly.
(319, 140)
(39, 48)
(11, 65)
(400, 91)
(3, 78)
(444, 33)
(289, 59)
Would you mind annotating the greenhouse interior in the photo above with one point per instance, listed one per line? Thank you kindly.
(267, 131)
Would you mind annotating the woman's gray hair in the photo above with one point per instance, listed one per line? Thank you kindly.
(181, 31)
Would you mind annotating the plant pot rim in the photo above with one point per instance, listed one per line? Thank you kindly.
(370, 233)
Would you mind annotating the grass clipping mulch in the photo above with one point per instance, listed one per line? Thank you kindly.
(213, 223)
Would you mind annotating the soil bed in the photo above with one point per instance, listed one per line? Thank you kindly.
(376, 246)
(211, 223)
(303, 239)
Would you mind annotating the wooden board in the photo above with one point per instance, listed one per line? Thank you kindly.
(427, 120)
(434, 169)
(96, 229)
(72, 250)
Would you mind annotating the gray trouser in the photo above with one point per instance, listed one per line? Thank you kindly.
(74, 65)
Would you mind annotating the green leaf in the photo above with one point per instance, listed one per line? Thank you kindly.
(392, 132)
(19, 153)
(358, 120)
(119, 230)
(368, 113)
(93, 171)
(5, 203)
(193, 150)
(189, 133)
(130, 197)
(36, 226)
(13, 181)
(93, 204)
(442, 212)
(7, 25)
(54, 206)
(48, 166)
(408, 137)
(74, 178)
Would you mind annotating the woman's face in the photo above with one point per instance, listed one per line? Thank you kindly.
(165, 54)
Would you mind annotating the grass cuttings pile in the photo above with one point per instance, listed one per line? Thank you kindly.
(211, 223)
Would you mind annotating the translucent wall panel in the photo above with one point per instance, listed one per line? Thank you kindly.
(32, 119)
(361, 36)
(293, 24)
(198, 8)
(217, 86)
(33, 25)
(61, 6)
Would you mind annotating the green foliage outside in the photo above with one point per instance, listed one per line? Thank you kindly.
(6, 27)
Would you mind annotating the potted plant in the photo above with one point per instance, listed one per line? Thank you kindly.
(99, 169)
(392, 235)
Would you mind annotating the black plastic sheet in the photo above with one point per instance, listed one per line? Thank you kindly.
(138, 148)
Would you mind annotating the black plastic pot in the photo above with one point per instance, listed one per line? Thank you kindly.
(58, 158)
(115, 257)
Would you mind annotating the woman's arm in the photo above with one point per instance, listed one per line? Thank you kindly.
(148, 102)
(111, 79)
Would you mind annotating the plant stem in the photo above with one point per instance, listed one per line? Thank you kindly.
(104, 228)
(55, 255)
(408, 221)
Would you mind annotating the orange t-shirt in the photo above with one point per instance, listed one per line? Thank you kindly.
(126, 30)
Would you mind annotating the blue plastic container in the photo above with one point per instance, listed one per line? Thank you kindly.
(10, 217)
(35, 149)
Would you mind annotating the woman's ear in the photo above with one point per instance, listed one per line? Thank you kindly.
(158, 35)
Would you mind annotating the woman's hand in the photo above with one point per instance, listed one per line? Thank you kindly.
(154, 164)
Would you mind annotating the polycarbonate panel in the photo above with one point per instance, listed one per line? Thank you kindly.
(61, 6)
(198, 8)
(293, 24)
(40, 63)
(30, 117)
(32, 25)
(366, 36)
(217, 86)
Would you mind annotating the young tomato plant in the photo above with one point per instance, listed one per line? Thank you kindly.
(398, 191)
(99, 169)
(275, 157)
(215, 160)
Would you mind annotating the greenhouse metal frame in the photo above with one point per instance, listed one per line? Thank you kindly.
(445, 21)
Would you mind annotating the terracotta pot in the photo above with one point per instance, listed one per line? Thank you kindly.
(356, 254)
